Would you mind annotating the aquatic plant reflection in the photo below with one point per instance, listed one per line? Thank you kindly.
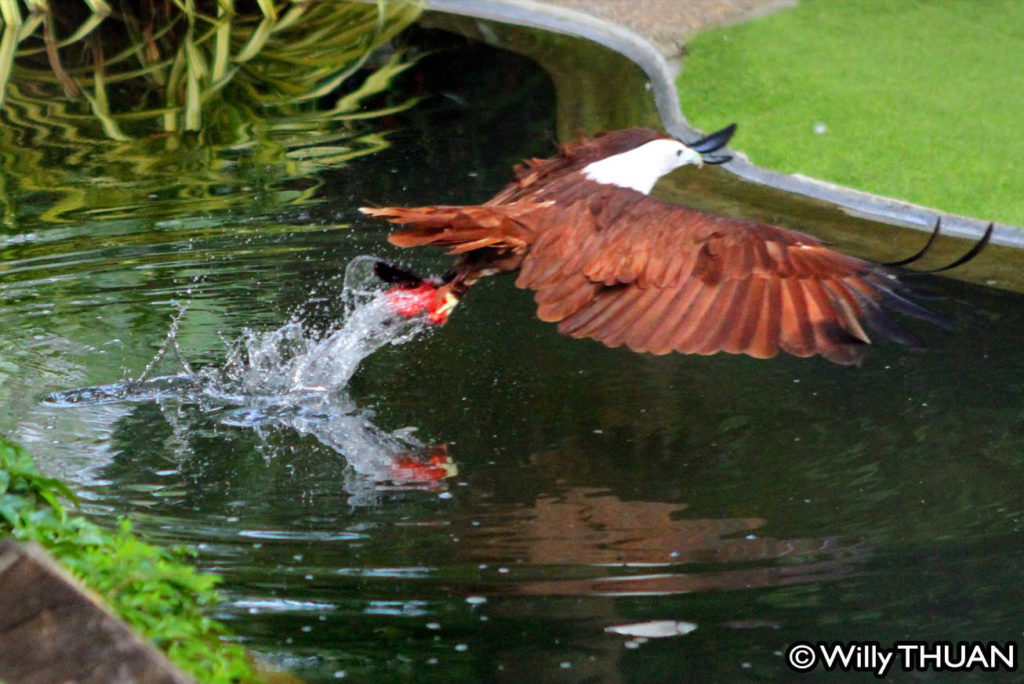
(207, 103)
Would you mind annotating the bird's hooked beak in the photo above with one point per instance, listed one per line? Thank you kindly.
(711, 143)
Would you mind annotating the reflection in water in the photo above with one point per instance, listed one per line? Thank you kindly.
(294, 378)
(623, 539)
(577, 574)
(579, 578)
(164, 118)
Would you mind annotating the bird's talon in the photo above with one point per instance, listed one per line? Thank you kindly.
(440, 314)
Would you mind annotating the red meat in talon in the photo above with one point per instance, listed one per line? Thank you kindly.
(410, 301)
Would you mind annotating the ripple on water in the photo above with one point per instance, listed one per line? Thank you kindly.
(301, 535)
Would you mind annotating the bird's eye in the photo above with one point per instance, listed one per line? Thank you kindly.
(679, 153)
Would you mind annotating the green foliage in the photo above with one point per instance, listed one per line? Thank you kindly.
(151, 588)
(917, 99)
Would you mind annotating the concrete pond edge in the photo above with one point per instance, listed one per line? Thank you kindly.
(650, 60)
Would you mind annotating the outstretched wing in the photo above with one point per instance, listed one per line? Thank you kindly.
(661, 277)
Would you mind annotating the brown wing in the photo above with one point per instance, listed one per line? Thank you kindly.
(660, 277)
(464, 229)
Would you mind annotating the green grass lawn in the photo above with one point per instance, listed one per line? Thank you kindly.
(921, 100)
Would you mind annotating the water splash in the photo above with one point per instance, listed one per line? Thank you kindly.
(294, 377)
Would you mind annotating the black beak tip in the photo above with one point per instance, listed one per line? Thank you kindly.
(715, 141)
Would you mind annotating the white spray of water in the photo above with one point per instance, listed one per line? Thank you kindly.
(291, 377)
(292, 359)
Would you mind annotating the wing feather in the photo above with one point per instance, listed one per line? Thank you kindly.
(796, 336)
(572, 293)
(624, 268)
(606, 304)
(677, 310)
(651, 320)
(720, 318)
(741, 334)
(689, 325)
(765, 341)
(618, 301)
(664, 277)
(619, 328)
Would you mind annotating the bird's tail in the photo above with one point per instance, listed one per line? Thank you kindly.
(463, 229)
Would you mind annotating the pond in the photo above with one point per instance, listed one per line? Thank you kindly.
(490, 501)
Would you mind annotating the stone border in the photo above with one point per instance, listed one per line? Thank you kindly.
(644, 53)
(53, 630)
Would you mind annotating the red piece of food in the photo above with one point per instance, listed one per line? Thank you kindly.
(410, 301)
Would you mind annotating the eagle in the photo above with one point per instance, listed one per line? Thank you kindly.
(608, 261)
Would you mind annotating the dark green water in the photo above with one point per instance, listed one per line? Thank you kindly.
(753, 503)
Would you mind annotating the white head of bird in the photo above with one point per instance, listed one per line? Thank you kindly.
(640, 168)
